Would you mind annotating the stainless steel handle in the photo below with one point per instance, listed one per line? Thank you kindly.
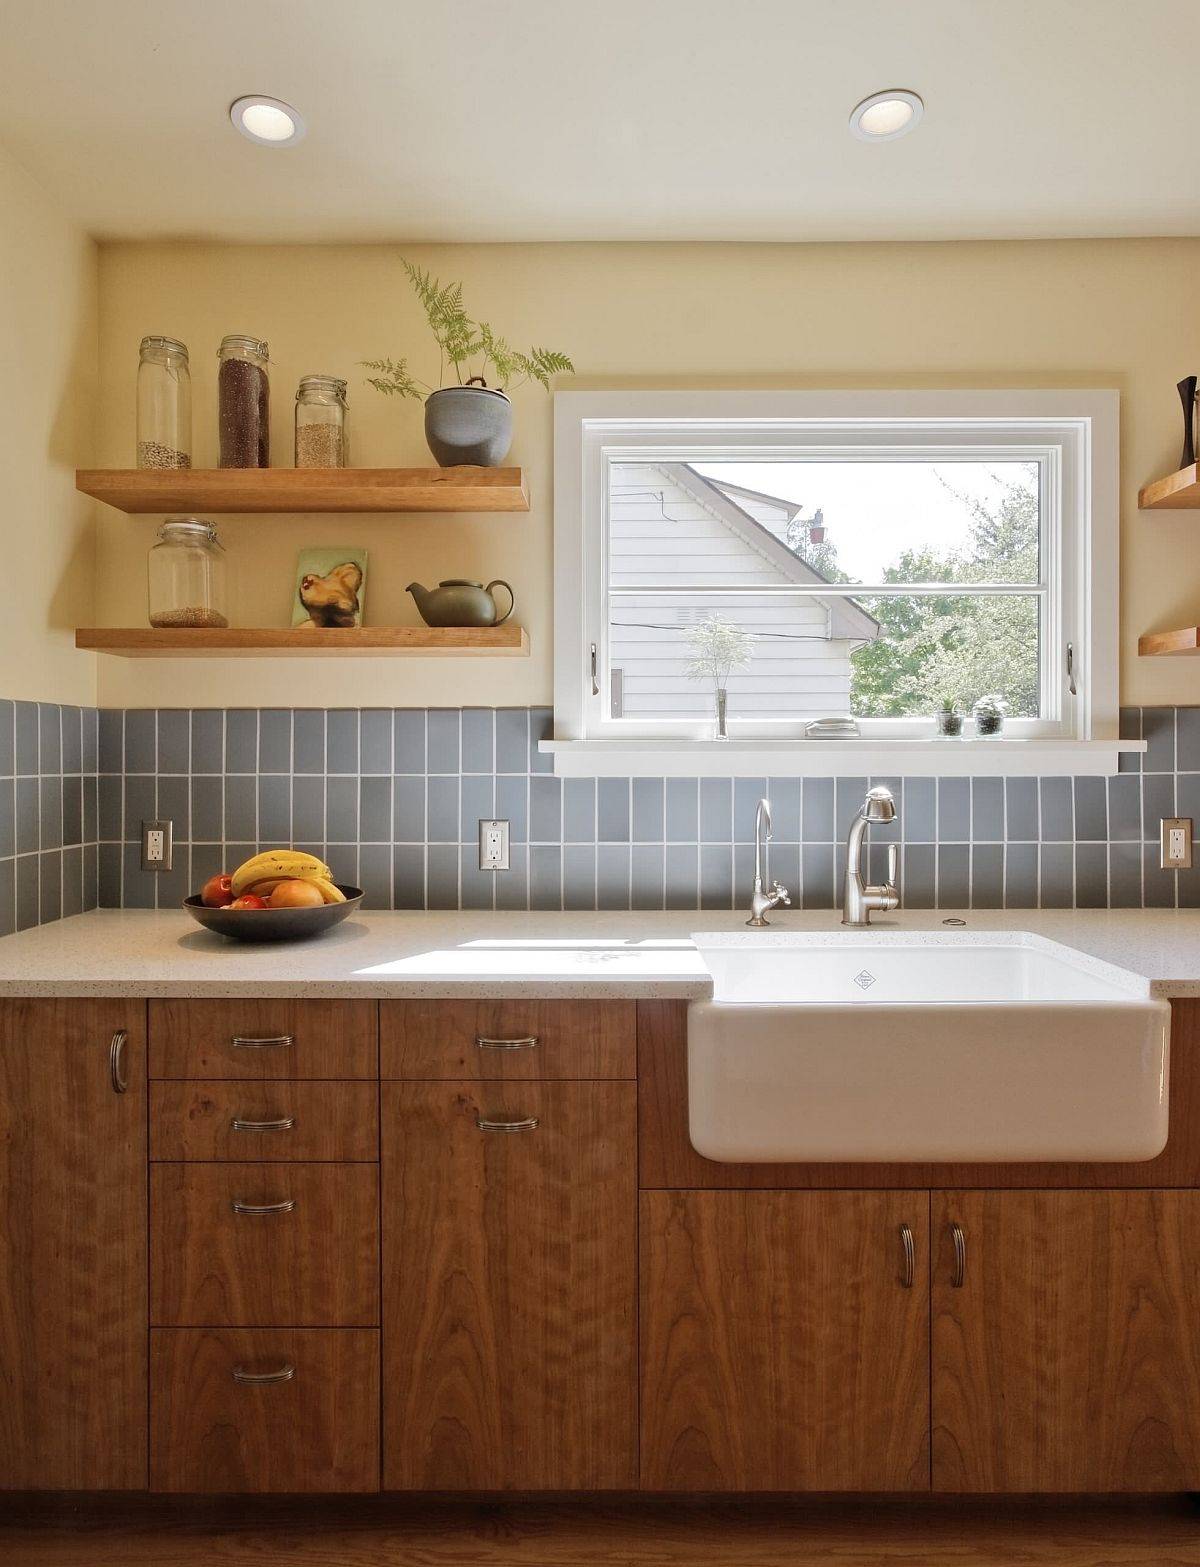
(486, 1124)
(116, 1062)
(259, 1209)
(959, 1277)
(266, 1042)
(595, 681)
(484, 1042)
(284, 1373)
(284, 1124)
(893, 871)
(908, 1262)
(1071, 687)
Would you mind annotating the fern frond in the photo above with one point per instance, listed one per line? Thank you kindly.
(394, 379)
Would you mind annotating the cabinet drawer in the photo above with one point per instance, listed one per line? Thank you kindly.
(314, 1263)
(264, 1039)
(316, 1429)
(268, 1121)
(508, 1039)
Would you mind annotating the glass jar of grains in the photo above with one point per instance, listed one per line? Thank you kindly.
(244, 402)
(187, 575)
(164, 404)
(321, 422)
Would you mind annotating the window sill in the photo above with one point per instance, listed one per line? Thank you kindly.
(862, 758)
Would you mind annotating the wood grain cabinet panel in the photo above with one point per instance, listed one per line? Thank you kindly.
(318, 1430)
(509, 1287)
(517, 1040)
(1069, 1357)
(313, 1265)
(72, 1246)
(264, 1120)
(781, 1349)
(264, 1039)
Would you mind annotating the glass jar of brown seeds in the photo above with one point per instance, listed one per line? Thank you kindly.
(321, 422)
(244, 402)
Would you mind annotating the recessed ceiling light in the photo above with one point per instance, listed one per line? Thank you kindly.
(885, 115)
(268, 121)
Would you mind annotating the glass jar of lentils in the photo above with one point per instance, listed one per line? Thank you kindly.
(244, 402)
(187, 575)
(321, 422)
(164, 404)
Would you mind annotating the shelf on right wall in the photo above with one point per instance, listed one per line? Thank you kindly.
(1179, 491)
(1157, 644)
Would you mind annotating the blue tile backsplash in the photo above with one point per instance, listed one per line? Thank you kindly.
(391, 798)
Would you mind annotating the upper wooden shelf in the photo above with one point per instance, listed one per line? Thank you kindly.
(1178, 491)
(202, 490)
(507, 641)
(1157, 643)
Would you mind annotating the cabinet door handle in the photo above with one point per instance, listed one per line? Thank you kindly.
(116, 1062)
(485, 1043)
(959, 1277)
(908, 1259)
(283, 1373)
(284, 1124)
(260, 1209)
(486, 1124)
(265, 1042)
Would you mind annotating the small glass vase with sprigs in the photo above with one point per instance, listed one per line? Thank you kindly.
(719, 646)
(948, 719)
(989, 714)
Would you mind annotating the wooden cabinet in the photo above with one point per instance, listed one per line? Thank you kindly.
(1066, 1346)
(509, 1286)
(784, 1341)
(252, 1038)
(270, 1120)
(515, 1040)
(72, 1245)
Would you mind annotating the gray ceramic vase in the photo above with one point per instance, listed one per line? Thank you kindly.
(468, 424)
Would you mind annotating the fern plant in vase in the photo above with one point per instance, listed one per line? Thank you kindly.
(719, 646)
(466, 420)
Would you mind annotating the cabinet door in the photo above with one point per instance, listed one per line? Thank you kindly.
(72, 1246)
(509, 1286)
(785, 1341)
(1066, 1341)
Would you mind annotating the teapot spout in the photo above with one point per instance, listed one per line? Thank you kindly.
(419, 593)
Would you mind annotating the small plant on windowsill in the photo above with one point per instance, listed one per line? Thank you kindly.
(989, 714)
(718, 648)
(948, 719)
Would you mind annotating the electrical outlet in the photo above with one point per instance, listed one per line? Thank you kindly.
(1176, 843)
(493, 846)
(157, 845)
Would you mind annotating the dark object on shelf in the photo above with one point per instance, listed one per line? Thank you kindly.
(274, 924)
(458, 602)
(469, 424)
(1187, 396)
(244, 403)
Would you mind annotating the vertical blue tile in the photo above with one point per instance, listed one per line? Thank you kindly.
(8, 819)
(275, 740)
(208, 740)
(919, 823)
(716, 811)
(8, 897)
(172, 805)
(408, 873)
(682, 867)
(512, 740)
(512, 885)
(1158, 728)
(49, 738)
(28, 870)
(612, 876)
(91, 746)
(375, 740)
(208, 859)
(987, 809)
(308, 809)
(72, 740)
(716, 875)
(783, 865)
(274, 809)
(91, 881)
(545, 876)
(343, 859)
(1158, 800)
(176, 884)
(954, 874)
(1091, 812)
(408, 729)
(141, 804)
(1125, 875)
(579, 876)
(987, 876)
(512, 805)
(1058, 810)
(28, 805)
(478, 739)
(441, 810)
(27, 742)
(72, 809)
(1125, 806)
(545, 810)
(110, 740)
(108, 888)
(308, 740)
(579, 810)
(954, 810)
(1021, 876)
(784, 795)
(408, 809)
(647, 814)
(341, 740)
(111, 803)
(682, 812)
(139, 888)
(541, 727)
(90, 807)
(478, 888)
(141, 740)
(1159, 889)
(612, 810)
(50, 887)
(241, 808)
(478, 804)
(1021, 809)
(918, 890)
(174, 740)
(375, 809)
(8, 740)
(747, 792)
(816, 868)
(1187, 738)
(848, 798)
(1091, 875)
(241, 740)
(442, 739)
(646, 881)
(1057, 875)
(208, 807)
(341, 810)
(818, 814)
(72, 882)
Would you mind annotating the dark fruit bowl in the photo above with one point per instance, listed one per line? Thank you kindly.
(274, 924)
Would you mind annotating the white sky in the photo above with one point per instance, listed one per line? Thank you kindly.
(873, 510)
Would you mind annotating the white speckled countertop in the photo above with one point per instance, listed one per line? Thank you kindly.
(113, 952)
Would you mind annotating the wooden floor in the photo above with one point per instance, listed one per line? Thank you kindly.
(566, 1532)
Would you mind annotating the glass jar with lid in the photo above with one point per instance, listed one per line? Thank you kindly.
(187, 575)
(244, 402)
(164, 404)
(321, 422)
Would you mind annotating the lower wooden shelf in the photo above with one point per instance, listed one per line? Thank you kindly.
(296, 642)
(1157, 643)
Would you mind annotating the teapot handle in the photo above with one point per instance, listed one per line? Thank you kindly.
(499, 582)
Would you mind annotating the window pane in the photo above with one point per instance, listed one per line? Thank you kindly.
(715, 524)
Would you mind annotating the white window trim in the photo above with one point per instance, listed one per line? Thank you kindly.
(1077, 429)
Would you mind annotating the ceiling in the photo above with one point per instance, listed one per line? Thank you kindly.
(608, 119)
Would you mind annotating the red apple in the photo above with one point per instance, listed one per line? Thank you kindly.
(249, 900)
(217, 892)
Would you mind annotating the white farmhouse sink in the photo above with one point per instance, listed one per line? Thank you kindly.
(886, 1046)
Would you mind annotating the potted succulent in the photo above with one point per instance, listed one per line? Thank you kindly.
(989, 714)
(466, 420)
(948, 719)
(719, 646)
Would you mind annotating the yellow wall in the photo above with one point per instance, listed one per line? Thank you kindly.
(1117, 314)
(48, 325)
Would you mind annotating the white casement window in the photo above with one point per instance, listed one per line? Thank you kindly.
(865, 555)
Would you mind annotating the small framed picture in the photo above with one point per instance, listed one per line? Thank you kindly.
(330, 588)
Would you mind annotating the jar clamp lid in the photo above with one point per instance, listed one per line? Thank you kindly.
(164, 345)
(196, 529)
(240, 341)
(329, 385)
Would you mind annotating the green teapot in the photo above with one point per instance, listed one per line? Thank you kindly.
(457, 602)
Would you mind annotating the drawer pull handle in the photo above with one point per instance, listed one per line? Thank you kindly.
(486, 1124)
(285, 1373)
(260, 1209)
(908, 1268)
(485, 1043)
(284, 1124)
(266, 1042)
(116, 1062)
(959, 1277)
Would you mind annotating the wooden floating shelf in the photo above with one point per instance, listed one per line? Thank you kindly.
(216, 490)
(1179, 491)
(1156, 644)
(270, 642)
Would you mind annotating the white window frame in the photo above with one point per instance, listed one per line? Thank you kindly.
(1072, 434)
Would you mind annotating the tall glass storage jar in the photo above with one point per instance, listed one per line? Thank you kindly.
(244, 402)
(164, 404)
(187, 575)
(321, 422)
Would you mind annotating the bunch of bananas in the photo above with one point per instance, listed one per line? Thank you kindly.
(263, 872)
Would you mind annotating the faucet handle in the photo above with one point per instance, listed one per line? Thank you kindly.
(780, 893)
(893, 870)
